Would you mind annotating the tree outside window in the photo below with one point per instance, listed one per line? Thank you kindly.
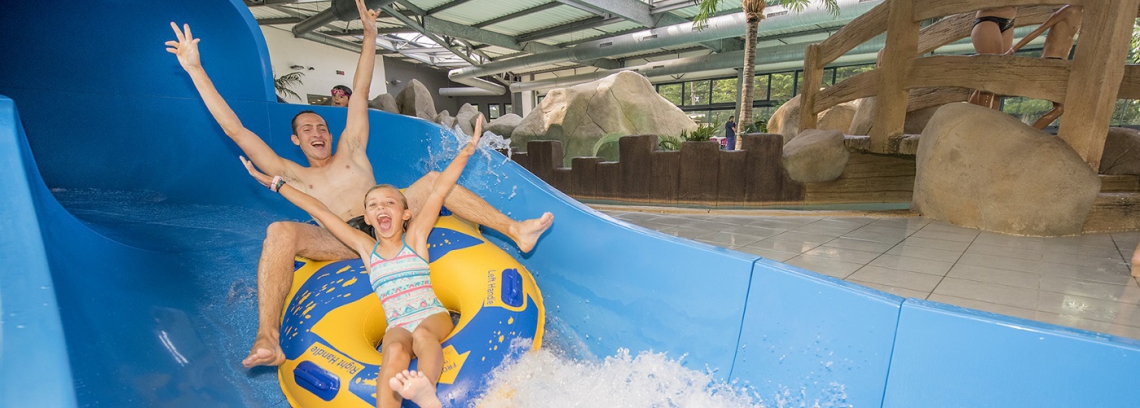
(671, 92)
(724, 90)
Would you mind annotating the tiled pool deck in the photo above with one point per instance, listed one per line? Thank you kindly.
(1081, 282)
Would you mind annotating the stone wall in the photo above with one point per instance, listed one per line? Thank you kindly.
(700, 173)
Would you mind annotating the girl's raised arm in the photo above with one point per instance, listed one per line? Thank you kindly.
(351, 237)
(422, 223)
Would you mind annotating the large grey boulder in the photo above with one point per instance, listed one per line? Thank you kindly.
(815, 156)
(785, 120)
(415, 100)
(1121, 152)
(444, 118)
(624, 103)
(384, 102)
(981, 168)
(504, 125)
(466, 118)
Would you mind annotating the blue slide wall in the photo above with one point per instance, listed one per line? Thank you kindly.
(92, 318)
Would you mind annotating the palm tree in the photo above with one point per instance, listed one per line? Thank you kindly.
(284, 82)
(754, 12)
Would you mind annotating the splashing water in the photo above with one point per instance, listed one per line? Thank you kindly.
(482, 162)
(545, 378)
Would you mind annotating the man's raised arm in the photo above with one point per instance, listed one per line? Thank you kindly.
(355, 136)
(186, 48)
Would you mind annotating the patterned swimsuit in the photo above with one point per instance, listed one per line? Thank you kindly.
(404, 288)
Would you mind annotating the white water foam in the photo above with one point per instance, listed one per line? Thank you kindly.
(546, 378)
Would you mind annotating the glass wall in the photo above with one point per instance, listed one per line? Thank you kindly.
(712, 101)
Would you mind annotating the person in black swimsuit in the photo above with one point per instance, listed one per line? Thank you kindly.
(992, 34)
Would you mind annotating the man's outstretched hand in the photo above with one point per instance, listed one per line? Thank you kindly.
(367, 19)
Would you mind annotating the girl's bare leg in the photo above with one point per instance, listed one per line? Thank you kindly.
(397, 350)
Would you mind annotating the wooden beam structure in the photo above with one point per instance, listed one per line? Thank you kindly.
(1003, 75)
(1097, 74)
(858, 31)
(937, 8)
(859, 86)
(813, 78)
(902, 46)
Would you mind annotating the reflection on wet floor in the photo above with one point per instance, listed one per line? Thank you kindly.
(1081, 282)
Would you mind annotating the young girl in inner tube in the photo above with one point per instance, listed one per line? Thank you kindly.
(397, 259)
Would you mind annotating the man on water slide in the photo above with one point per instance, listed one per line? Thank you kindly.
(337, 180)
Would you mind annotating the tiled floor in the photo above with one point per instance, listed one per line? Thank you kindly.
(1081, 282)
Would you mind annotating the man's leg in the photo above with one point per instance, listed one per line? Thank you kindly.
(1063, 25)
(473, 208)
(283, 240)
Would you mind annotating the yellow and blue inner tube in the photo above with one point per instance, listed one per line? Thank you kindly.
(333, 322)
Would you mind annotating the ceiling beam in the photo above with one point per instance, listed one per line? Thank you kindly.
(279, 20)
(356, 31)
(258, 3)
(583, 24)
(632, 10)
(479, 35)
(517, 14)
(445, 6)
(433, 36)
(664, 6)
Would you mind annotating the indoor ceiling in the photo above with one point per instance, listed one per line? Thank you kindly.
(449, 34)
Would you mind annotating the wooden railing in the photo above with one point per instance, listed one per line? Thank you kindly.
(1088, 85)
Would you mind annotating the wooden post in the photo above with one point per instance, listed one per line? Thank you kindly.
(1097, 71)
(813, 78)
(901, 48)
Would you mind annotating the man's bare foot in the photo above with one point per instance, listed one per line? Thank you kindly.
(526, 233)
(413, 385)
(266, 351)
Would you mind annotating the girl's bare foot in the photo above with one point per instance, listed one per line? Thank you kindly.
(413, 385)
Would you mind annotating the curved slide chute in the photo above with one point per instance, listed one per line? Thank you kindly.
(156, 308)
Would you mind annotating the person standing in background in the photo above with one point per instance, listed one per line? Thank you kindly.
(730, 132)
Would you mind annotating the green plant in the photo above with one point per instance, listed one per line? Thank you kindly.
(283, 84)
(704, 132)
(669, 143)
(760, 126)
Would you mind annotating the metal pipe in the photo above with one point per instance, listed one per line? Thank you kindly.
(717, 28)
(468, 91)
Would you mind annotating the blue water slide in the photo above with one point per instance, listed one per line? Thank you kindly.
(104, 304)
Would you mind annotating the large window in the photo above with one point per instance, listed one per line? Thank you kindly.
(714, 100)
(696, 93)
(493, 111)
(782, 85)
(671, 92)
(843, 73)
(760, 87)
(724, 90)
